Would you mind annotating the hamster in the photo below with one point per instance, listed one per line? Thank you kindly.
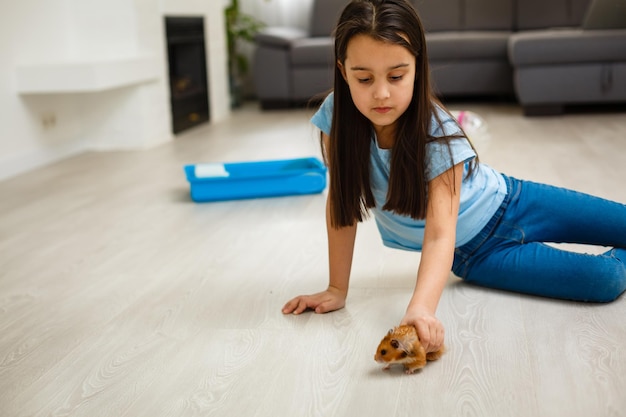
(402, 346)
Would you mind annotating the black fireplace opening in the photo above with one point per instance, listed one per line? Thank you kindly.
(186, 54)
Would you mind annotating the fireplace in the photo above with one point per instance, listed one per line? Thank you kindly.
(186, 55)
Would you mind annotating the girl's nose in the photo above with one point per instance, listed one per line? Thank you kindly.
(381, 91)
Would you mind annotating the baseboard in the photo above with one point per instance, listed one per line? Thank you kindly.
(14, 165)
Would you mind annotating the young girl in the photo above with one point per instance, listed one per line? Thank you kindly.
(391, 148)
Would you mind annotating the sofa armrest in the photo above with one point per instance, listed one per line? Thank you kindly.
(279, 36)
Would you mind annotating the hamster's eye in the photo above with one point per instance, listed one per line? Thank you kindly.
(383, 352)
(404, 354)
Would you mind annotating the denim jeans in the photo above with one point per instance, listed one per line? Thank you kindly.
(510, 253)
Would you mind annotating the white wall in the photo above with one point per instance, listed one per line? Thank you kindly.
(37, 129)
(293, 13)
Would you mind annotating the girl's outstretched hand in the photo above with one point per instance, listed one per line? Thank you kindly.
(429, 329)
(322, 302)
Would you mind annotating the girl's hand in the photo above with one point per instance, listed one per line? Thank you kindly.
(429, 329)
(322, 302)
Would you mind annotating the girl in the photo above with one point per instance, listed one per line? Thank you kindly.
(392, 149)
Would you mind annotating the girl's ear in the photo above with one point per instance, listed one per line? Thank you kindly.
(342, 70)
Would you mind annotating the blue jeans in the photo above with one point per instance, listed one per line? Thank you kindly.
(510, 253)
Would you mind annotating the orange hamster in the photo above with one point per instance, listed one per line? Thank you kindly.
(402, 346)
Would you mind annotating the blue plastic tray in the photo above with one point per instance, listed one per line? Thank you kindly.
(233, 181)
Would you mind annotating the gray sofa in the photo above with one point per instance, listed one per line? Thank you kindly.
(534, 50)
(290, 65)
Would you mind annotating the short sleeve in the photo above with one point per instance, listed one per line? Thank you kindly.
(441, 156)
(323, 118)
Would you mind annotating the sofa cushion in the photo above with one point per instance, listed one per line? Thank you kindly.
(467, 45)
(313, 52)
(567, 46)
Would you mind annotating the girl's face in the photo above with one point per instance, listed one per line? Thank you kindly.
(381, 77)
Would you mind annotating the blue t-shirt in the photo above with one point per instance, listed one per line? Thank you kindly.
(481, 193)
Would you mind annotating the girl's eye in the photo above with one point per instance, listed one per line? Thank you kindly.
(364, 80)
(396, 78)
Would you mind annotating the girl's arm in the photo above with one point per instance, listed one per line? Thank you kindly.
(437, 256)
(340, 252)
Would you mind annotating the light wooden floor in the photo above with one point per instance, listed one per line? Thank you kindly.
(120, 297)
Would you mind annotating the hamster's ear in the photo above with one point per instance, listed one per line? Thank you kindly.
(395, 344)
(390, 331)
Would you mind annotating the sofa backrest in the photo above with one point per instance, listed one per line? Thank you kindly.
(324, 16)
(488, 14)
(439, 15)
(541, 14)
(445, 15)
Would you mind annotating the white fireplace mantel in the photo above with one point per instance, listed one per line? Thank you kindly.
(85, 77)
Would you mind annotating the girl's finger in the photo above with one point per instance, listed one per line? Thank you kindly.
(302, 305)
(286, 308)
(290, 306)
(423, 331)
(323, 308)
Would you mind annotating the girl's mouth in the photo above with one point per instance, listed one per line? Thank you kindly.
(382, 110)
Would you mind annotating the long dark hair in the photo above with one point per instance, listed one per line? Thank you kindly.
(348, 157)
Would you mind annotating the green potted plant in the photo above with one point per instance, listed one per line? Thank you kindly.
(239, 27)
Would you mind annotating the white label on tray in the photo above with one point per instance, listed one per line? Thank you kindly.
(210, 170)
